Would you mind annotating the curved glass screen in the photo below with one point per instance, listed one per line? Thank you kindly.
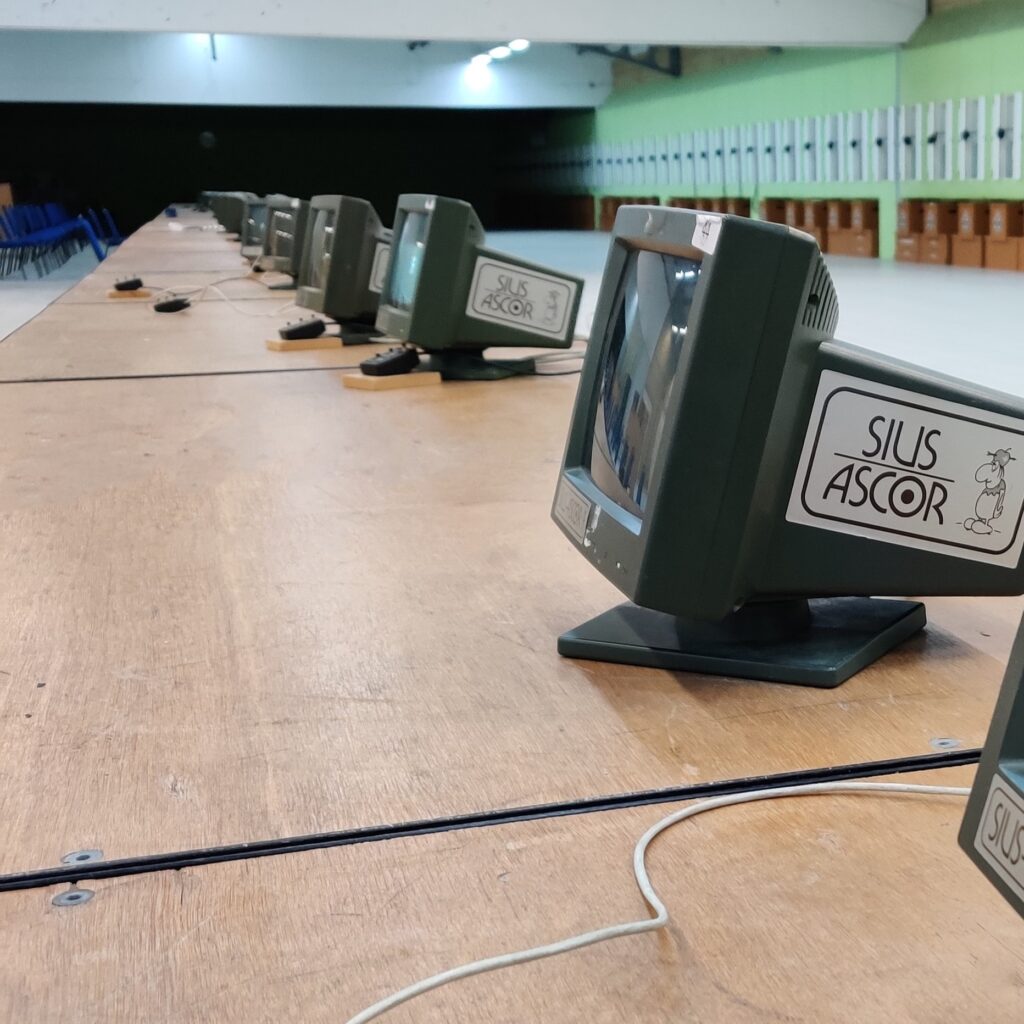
(255, 224)
(646, 335)
(321, 242)
(407, 261)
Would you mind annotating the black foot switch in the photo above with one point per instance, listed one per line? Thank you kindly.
(390, 363)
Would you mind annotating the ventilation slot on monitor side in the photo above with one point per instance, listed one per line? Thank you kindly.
(821, 313)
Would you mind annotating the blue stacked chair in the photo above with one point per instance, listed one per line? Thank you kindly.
(45, 237)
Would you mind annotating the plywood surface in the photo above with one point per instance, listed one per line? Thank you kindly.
(234, 608)
(152, 260)
(130, 339)
(819, 909)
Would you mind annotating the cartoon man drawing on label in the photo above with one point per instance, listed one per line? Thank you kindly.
(551, 307)
(989, 505)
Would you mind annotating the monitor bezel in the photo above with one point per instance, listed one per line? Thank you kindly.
(711, 399)
(451, 224)
(326, 203)
(299, 208)
(346, 294)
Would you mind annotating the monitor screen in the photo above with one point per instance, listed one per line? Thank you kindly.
(255, 225)
(321, 243)
(407, 261)
(281, 233)
(646, 335)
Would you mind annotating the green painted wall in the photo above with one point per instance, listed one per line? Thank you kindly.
(977, 50)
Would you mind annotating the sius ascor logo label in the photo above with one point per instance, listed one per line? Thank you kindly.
(1000, 835)
(506, 294)
(921, 472)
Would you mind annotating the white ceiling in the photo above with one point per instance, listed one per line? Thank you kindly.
(246, 70)
(665, 22)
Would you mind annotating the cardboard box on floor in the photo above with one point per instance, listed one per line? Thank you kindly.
(1005, 220)
(935, 248)
(738, 207)
(909, 217)
(1002, 253)
(864, 243)
(773, 210)
(838, 214)
(908, 248)
(815, 214)
(972, 220)
(864, 215)
(794, 213)
(939, 218)
(967, 252)
(850, 242)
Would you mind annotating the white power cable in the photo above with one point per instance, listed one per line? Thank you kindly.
(197, 291)
(660, 918)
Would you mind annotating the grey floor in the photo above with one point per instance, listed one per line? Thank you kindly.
(967, 323)
(22, 299)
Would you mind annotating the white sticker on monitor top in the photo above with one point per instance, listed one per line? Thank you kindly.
(379, 270)
(1000, 836)
(572, 510)
(503, 293)
(895, 466)
(706, 232)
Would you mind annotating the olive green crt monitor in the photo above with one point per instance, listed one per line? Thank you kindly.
(285, 235)
(748, 482)
(992, 833)
(452, 297)
(229, 209)
(254, 225)
(345, 260)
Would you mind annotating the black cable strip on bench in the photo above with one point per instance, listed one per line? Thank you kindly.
(378, 833)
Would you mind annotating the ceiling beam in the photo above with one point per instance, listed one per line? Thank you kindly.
(598, 22)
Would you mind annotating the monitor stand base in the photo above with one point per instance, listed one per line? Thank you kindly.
(821, 642)
(454, 364)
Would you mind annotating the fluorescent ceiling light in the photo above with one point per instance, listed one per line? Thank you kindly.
(500, 52)
(481, 59)
(518, 45)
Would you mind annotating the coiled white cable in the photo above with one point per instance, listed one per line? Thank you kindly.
(660, 918)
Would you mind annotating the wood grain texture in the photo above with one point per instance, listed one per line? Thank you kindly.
(245, 607)
(826, 909)
(130, 339)
(155, 260)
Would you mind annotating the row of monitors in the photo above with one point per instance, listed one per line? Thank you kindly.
(713, 395)
(430, 280)
(971, 139)
(744, 478)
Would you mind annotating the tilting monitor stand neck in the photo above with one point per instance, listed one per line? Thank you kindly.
(817, 642)
(354, 332)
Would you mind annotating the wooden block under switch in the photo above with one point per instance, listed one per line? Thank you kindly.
(303, 344)
(363, 382)
(138, 293)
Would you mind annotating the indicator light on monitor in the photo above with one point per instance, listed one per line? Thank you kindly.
(748, 482)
